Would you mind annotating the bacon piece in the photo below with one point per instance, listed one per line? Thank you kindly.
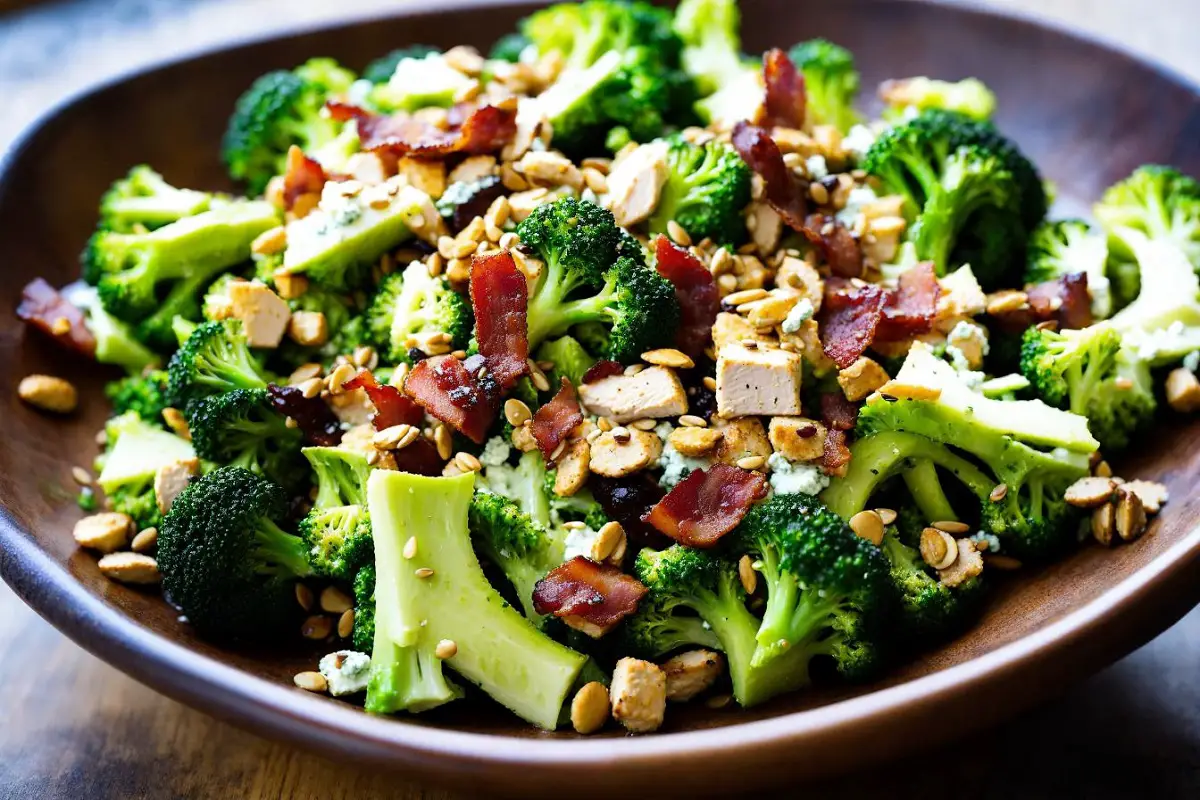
(500, 297)
(597, 594)
(912, 307)
(391, 406)
(707, 504)
(786, 97)
(849, 320)
(783, 189)
(838, 246)
(555, 420)
(1064, 300)
(314, 418)
(836, 454)
(601, 370)
(340, 111)
(420, 458)
(472, 131)
(696, 292)
(302, 176)
(44, 308)
(444, 387)
(837, 412)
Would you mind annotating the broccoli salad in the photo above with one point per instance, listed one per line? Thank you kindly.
(615, 367)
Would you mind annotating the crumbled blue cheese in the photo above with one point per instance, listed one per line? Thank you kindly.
(817, 167)
(346, 671)
(801, 312)
(858, 140)
(675, 465)
(859, 197)
(495, 452)
(789, 477)
(579, 542)
(993, 541)
(1192, 361)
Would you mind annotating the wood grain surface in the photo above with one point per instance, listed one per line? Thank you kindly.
(71, 726)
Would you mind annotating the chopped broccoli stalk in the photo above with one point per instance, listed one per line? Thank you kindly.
(116, 342)
(364, 609)
(136, 452)
(930, 612)
(584, 32)
(419, 83)
(523, 549)
(525, 485)
(338, 242)
(142, 199)
(1090, 373)
(830, 80)
(730, 85)
(215, 358)
(584, 281)
(225, 561)
(144, 395)
(970, 97)
(338, 528)
(138, 273)
(1069, 247)
(1159, 202)
(281, 109)
(570, 360)
(411, 305)
(383, 68)
(707, 191)
(242, 428)
(497, 648)
(822, 581)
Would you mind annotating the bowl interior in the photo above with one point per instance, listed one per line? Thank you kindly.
(1102, 114)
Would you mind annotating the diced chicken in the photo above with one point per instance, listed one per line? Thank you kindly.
(473, 169)
(572, 468)
(1183, 391)
(741, 438)
(807, 342)
(615, 456)
(968, 564)
(797, 438)
(367, 168)
(861, 378)
(653, 393)
(800, 276)
(690, 673)
(428, 176)
(635, 183)
(961, 297)
(263, 313)
(308, 328)
(734, 328)
(765, 226)
(530, 119)
(173, 478)
(639, 695)
(758, 381)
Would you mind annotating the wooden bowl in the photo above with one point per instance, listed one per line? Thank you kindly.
(1087, 115)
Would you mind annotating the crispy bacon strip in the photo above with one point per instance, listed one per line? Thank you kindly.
(444, 387)
(837, 412)
(500, 297)
(839, 247)
(391, 406)
(42, 307)
(472, 131)
(599, 594)
(1065, 300)
(849, 319)
(555, 420)
(836, 454)
(696, 292)
(340, 111)
(302, 176)
(912, 307)
(783, 189)
(786, 97)
(707, 504)
(601, 370)
(314, 418)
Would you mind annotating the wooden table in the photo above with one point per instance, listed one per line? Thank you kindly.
(71, 726)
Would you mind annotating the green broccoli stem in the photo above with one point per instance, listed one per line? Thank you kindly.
(794, 618)
(281, 553)
(550, 314)
(927, 492)
(406, 678)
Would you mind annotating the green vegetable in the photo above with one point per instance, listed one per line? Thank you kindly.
(730, 84)
(523, 549)
(570, 360)
(214, 359)
(1070, 247)
(970, 97)
(830, 80)
(240, 427)
(338, 528)
(707, 191)
(930, 611)
(364, 609)
(383, 68)
(419, 82)
(411, 304)
(136, 450)
(1158, 202)
(144, 395)
(143, 200)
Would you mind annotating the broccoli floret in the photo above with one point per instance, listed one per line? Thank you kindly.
(729, 83)
(1159, 202)
(830, 80)
(136, 274)
(570, 360)
(135, 450)
(584, 282)
(383, 68)
(509, 48)
(1069, 247)
(215, 358)
(143, 200)
(116, 341)
(524, 484)
(144, 395)
(822, 581)
(970, 97)
(1162, 324)
(337, 529)
(497, 648)
(523, 549)
(226, 563)
(1031, 519)
(419, 82)
(584, 32)
(139, 502)
(707, 191)
(411, 305)
(1090, 373)
(930, 611)
(281, 109)
(241, 428)
(364, 609)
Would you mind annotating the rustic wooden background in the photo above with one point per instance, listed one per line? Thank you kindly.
(71, 726)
